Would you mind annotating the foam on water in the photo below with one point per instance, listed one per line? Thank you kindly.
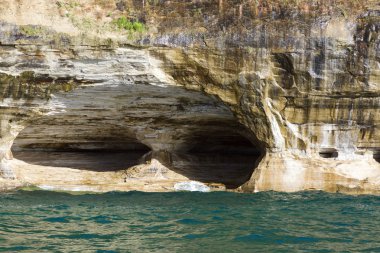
(192, 186)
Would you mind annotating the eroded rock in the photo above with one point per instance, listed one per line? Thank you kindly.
(260, 96)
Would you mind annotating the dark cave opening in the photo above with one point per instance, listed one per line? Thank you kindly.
(218, 157)
(106, 127)
(376, 156)
(205, 141)
(211, 156)
(100, 156)
(328, 153)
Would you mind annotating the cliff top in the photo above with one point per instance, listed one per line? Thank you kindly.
(132, 18)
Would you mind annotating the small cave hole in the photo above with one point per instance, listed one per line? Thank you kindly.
(328, 153)
(376, 156)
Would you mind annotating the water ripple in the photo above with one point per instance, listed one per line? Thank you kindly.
(39, 221)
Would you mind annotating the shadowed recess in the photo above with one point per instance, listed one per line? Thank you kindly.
(328, 153)
(108, 128)
(105, 155)
(223, 157)
(376, 155)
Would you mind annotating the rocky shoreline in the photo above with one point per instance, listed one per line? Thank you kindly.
(251, 96)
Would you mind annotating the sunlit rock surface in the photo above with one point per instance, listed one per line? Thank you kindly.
(249, 96)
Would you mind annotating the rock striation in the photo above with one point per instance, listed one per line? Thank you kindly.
(249, 95)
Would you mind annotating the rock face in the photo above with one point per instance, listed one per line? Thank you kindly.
(249, 95)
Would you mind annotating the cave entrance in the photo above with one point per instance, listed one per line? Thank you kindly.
(225, 157)
(103, 128)
(98, 155)
(221, 156)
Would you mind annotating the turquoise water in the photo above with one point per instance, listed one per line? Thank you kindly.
(41, 221)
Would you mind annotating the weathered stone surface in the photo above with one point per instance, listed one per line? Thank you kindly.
(299, 82)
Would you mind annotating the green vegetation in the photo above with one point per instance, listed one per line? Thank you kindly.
(29, 30)
(133, 26)
(67, 5)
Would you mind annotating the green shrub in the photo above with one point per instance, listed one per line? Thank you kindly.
(134, 26)
(30, 30)
(138, 27)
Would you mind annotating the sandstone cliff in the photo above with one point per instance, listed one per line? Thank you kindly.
(253, 95)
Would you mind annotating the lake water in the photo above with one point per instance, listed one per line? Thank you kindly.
(43, 221)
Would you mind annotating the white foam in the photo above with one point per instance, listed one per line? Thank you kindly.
(192, 186)
(68, 188)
